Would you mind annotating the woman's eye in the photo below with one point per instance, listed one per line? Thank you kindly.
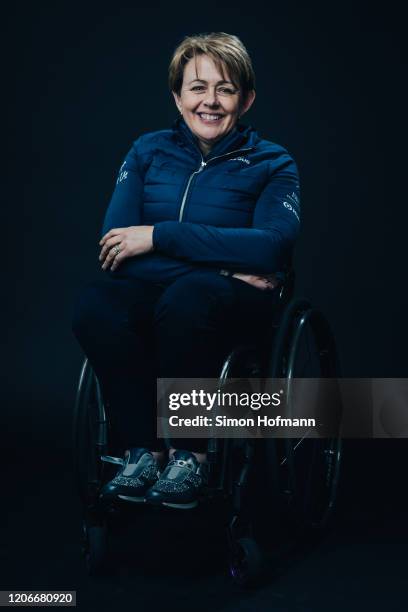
(221, 90)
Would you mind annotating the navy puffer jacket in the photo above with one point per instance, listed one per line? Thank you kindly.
(236, 209)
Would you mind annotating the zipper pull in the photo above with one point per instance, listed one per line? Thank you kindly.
(203, 163)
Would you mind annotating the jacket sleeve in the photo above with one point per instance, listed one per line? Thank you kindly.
(263, 248)
(125, 207)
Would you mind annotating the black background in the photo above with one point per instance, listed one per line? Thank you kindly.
(84, 80)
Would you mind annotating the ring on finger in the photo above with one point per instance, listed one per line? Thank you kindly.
(116, 249)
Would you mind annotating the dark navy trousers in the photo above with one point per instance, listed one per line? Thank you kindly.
(134, 331)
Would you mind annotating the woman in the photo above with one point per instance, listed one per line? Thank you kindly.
(200, 227)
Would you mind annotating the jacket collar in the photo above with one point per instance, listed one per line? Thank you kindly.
(242, 136)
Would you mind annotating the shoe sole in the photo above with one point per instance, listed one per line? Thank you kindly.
(132, 499)
(181, 506)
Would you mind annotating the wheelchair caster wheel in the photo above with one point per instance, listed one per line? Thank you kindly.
(95, 548)
(246, 562)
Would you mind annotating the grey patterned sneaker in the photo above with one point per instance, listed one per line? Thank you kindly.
(181, 482)
(138, 472)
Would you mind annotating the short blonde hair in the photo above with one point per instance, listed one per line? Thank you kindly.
(226, 50)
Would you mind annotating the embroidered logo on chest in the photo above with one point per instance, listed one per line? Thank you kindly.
(241, 159)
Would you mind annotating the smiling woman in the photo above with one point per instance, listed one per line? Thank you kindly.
(212, 89)
(195, 239)
(209, 101)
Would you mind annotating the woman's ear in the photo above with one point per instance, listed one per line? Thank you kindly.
(247, 103)
(177, 100)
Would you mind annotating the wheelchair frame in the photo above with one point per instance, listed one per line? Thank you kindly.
(309, 507)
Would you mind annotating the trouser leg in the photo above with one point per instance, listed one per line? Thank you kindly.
(113, 324)
(199, 319)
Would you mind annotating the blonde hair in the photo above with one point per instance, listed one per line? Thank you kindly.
(226, 51)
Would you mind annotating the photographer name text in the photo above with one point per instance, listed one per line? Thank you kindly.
(248, 422)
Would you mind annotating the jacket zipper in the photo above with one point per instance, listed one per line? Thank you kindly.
(200, 169)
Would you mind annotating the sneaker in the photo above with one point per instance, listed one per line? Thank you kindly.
(180, 483)
(138, 473)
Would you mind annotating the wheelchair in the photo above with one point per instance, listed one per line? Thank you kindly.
(302, 474)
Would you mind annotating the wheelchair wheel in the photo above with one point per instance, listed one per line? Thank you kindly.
(245, 562)
(308, 469)
(89, 435)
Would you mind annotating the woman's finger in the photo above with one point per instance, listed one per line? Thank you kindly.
(107, 261)
(118, 260)
(111, 234)
(114, 257)
(272, 280)
(111, 242)
(111, 254)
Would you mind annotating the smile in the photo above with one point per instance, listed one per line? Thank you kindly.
(210, 117)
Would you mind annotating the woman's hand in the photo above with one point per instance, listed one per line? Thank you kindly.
(267, 282)
(123, 242)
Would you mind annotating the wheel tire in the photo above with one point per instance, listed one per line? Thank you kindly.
(246, 562)
(306, 460)
(89, 436)
(95, 549)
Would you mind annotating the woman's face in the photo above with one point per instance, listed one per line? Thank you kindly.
(210, 103)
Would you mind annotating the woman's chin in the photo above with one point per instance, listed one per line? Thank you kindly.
(211, 134)
(210, 137)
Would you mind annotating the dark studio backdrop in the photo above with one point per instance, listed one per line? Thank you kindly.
(89, 79)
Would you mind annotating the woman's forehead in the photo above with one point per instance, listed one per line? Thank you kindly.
(203, 67)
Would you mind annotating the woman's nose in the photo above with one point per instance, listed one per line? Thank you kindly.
(211, 98)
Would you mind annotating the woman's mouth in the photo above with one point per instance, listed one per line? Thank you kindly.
(210, 117)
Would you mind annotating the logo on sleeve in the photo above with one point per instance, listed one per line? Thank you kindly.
(122, 174)
(292, 203)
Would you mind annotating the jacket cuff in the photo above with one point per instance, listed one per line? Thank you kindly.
(156, 237)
